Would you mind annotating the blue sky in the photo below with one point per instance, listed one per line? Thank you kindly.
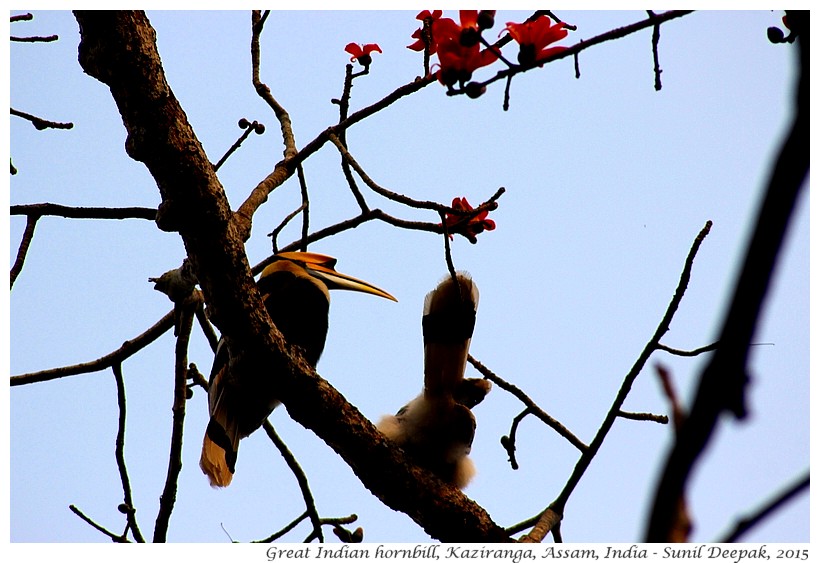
(607, 184)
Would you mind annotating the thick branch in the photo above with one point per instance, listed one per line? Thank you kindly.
(119, 49)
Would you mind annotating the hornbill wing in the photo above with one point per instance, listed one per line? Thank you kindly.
(295, 293)
(437, 428)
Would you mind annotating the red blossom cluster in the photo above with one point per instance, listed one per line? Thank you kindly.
(458, 45)
(461, 50)
(467, 225)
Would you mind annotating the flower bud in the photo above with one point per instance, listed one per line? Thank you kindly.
(474, 89)
(486, 19)
(775, 35)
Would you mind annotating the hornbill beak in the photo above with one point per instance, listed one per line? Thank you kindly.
(322, 267)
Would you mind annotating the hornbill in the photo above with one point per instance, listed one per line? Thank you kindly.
(436, 428)
(294, 289)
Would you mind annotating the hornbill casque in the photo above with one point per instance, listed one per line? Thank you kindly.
(436, 429)
(294, 289)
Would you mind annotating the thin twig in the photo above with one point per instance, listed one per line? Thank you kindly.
(573, 50)
(305, 207)
(41, 209)
(22, 251)
(644, 417)
(275, 233)
(530, 404)
(36, 39)
(301, 478)
(257, 25)
(344, 107)
(118, 538)
(748, 522)
(688, 353)
(352, 223)
(466, 214)
(559, 504)
(508, 442)
(119, 454)
(448, 256)
(248, 127)
(626, 386)
(276, 535)
(169, 493)
(38, 122)
(128, 349)
(656, 37)
(393, 196)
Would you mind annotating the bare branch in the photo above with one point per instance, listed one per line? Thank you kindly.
(572, 51)
(644, 416)
(695, 352)
(22, 251)
(248, 127)
(275, 233)
(301, 478)
(38, 122)
(169, 493)
(128, 349)
(548, 521)
(118, 538)
(559, 504)
(36, 39)
(257, 24)
(626, 386)
(119, 454)
(530, 404)
(276, 535)
(508, 442)
(41, 209)
(748, 522)
(723, 381)
(656, 37)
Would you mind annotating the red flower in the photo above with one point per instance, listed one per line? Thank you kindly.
(458, 62)
(533, 37)
(362, 53)
(465, 224)
(466, 33)
(419, 44)
(457, 44)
